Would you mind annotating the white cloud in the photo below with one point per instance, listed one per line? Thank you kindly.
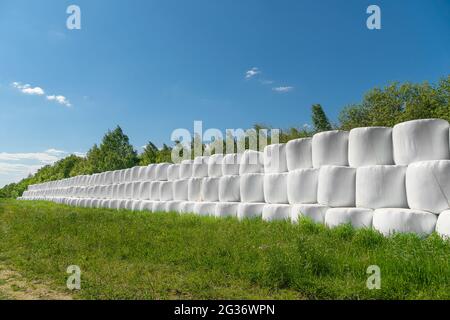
(17, 166)
(252, 72)
(283, 89)
(59, 99)
(28, 89)
(38, 91)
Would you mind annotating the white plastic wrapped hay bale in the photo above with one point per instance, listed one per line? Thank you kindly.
(231, 164)
(173, 206)
(336, 186)
(146, 205)
(135, 190)
(115, 191)
(381, 187)
(215, 165)
(226, 209)
(128, 190)
(109, 191)
(155, 193)
(186, 169)
(136, 205)
(230, 189)
(114, 204)
(302, 185)
(443, 224)
(129, 204)
(389, 221)
(128, 175)
(273, 212)
(173, 172)
(428, 185)
(210, 189)
(109, 177)
(122, 205)
(161, 171)
(195, 189)
(200, 167)
(315, 212)
(205, 209)
(330, 148)
(299, 154)
(166, 191)
(144, 191)
(252, 187)
(250, 210)
(370, 146)
(180, 190)
(187, 207)
(151, 172)
(420, 140)
(159, 206)
(275, 188)
(275, 158)
(358, 217)
(142, 174)
(251, 162)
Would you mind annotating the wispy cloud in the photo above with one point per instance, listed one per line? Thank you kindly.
(252, 73)
(59, 99)
(16, 166)
(283, 89)
(28, 89)
(38, 91)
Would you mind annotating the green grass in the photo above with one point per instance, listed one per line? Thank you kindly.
(138, 255)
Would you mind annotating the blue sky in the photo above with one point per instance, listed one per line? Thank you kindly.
(154, 66)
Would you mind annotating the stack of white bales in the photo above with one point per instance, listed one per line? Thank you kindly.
(392, 179)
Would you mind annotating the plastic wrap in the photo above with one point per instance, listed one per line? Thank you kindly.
(330, 148)
(428, 185)
(128, 190)
(231, 164)
(151, 172)
(443, 224)
(146, 205)
(420, 140)
(136, 190)
(136, 205)
(200, 167)
(251, 162)
(186, 169)
(195, 189)
(299, 154)
(144, 191)
(381, 187)
(166, 191)
(205, 208)
(173, 172)
(128, 175)
(226, 209)
(370, 146)
(210, 189)
(173, 206)
(357, 217)
(389, 221)
(302, 186)
(187, 207)
(215, 165)
(180, 190)
(315, 212)
(275, 188)
(159, 206)
(336, 186)
(155, 193)
(275, 158)
(252, 187)
(114, 204)
(229, 189)
(161, 171)
(121, 191)
(272, 212)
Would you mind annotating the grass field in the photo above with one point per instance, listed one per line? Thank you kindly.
(138, 255)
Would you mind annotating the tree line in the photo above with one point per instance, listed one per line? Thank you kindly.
(395, 103)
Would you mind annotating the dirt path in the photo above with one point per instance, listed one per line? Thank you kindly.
(16, 287)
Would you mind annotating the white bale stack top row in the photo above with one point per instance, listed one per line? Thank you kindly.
(390, 179)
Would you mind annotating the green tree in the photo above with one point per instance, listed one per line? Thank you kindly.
(149, 155)
(320, 119)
